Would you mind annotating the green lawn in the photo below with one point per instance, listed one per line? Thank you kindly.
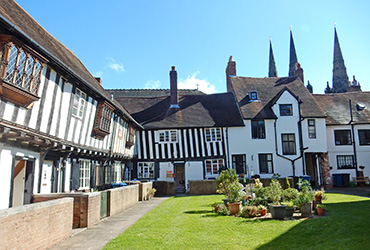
(188, 222)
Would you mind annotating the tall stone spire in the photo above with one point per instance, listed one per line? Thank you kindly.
(292, 56)
(272, 65)
(340, 77)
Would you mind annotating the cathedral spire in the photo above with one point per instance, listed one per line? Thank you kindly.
(340, 77)
(292, 56)
(272, 65)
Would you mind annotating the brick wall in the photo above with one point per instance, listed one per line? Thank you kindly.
(36, 226)
(122, 198)
(86, 206)
(165, 188)
(203, 187)
(143, 190)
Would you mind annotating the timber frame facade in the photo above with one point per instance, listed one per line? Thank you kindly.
(60, 131)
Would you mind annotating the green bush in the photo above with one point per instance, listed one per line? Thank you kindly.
(290, 194)
(274, 191)
(249, 211)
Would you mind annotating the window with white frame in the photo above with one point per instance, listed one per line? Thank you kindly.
(311, 129)
(84, 174)
(79, 103)
(213, 166)
(213, 134)
(167, 136)
(145, 169)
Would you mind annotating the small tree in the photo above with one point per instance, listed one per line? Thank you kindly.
(228, 184)
(274, 192)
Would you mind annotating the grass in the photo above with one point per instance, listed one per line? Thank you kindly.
(188, 222)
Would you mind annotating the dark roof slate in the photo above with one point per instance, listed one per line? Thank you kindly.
(216, 110)
(268, 91)
(37, 36)
(336, 106)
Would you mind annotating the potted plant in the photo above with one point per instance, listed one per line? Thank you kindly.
(152, 192)
(226, 178)
(234, 195)
(289, 210)
(304, 199)
(262, 209)
(319, 196)
(274, 193)
(321, 209)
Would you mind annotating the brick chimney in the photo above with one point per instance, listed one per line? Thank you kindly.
(173, 89)
(99, 80)
(230, 71)
(299, 71)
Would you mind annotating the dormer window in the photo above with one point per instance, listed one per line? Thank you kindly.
(253, 96)
(21, 69)
(103, 119)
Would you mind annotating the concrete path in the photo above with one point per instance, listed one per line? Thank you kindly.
(99, 235)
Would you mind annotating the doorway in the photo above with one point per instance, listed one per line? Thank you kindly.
(180, 178)
(312, 169)
(22, 182)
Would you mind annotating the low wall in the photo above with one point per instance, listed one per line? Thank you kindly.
(143, 190)
(36, 226)
(203, 187)
(122, 198)
(266, 182)
(86, 206)
(165, 188)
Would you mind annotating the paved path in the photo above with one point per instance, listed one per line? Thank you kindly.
(99, 235)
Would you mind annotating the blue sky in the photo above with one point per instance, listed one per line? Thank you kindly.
(133, 44)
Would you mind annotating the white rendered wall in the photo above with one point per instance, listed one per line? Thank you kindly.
(163, 168)
(362, 152)
(193, 172)
(6, 162)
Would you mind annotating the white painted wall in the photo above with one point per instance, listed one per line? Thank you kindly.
(6, 164)
(362, 152)
(163, 168)
(193, 171)
(5, 176)
(241, 142)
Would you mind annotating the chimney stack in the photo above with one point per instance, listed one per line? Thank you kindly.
(173, 89)
(299, 71)
(99, 80)
(230, 71)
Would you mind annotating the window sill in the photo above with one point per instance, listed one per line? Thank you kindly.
(17, 95)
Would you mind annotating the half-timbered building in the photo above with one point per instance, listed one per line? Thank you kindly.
(59, 129)
(185, 134)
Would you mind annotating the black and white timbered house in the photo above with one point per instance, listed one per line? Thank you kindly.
(59, 129)
(185, 134)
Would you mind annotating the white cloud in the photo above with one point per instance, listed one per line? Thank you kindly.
(152, 84)
(114, 65)
(193, 83)
(98, 73)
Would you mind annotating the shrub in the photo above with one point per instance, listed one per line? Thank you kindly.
(227, 178)
(290, 194)
(221, 209)
(274, 191)
(249, 211)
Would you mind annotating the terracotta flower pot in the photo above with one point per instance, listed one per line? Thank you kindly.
(263, 212)
(321, 211)
(234, 207)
